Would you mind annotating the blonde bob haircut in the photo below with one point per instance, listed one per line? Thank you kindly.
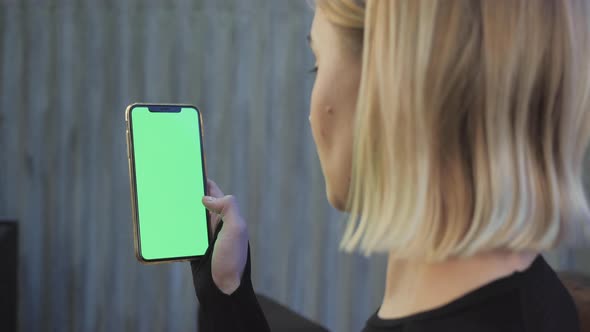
(471, 125)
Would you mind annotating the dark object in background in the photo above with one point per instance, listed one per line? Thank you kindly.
(8, 274)
(283, 319)
(579, 287)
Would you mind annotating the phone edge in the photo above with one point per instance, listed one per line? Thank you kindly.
(133, 184)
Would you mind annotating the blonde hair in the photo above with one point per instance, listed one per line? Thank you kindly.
(474, 117)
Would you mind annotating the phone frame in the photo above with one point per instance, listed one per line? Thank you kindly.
(133, 183)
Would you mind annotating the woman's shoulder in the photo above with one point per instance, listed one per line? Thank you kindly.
(531, 300)
(546, 303)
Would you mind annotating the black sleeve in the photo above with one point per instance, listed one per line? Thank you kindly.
(219, 312)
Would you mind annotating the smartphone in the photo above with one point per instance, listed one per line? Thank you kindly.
(168, 179)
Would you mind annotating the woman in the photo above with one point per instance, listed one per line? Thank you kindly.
(453, 132)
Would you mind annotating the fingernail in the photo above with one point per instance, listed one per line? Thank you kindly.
(209, 199)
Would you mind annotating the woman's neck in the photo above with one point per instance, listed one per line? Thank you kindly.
(413, 287)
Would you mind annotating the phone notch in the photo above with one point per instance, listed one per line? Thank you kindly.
(164, 109)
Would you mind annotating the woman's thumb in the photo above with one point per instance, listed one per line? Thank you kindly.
(224, 206)
(213, 204)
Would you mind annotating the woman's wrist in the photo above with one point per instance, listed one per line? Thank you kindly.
(227, 284)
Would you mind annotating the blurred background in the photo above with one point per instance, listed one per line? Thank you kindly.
(67, 71)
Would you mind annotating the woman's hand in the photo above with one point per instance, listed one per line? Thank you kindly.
(231, 247)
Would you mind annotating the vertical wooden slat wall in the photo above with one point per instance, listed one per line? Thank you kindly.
(68, 69)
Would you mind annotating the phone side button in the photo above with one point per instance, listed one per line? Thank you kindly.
(128, 151)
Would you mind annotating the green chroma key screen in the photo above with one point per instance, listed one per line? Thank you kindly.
(169, 183)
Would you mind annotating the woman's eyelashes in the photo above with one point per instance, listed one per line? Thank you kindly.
(314, 69)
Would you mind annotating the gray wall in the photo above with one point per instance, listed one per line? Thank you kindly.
(67, 71)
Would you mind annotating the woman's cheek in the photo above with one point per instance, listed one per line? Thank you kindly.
(322, 108)
(320, 125)
(314, 119)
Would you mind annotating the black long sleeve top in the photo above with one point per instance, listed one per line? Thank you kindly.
(533, 300)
